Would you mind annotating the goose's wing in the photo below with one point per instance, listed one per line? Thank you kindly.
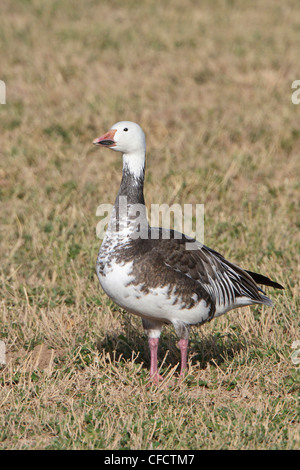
(228, 285)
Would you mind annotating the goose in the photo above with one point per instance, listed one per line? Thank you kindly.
(151, 272)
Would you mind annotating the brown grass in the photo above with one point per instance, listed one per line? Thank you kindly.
(210, 83)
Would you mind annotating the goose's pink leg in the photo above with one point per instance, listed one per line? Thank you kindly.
(183, 345)
(154, 375)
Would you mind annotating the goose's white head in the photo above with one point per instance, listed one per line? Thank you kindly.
(126, 137)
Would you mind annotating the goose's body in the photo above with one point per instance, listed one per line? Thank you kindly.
(151, 272)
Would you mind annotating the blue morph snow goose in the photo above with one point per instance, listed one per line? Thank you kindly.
(150, 273)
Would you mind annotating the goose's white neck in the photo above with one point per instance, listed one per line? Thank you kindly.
(134, 163)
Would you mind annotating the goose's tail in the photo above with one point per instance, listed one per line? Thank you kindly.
(264, 280)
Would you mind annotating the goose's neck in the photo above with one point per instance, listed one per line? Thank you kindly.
(129, 214)
(132, 184)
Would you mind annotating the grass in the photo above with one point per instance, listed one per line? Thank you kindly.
(211, 86)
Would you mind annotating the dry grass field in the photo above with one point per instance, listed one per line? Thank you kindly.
(210, 83)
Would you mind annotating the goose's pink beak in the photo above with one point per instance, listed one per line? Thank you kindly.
(107, 140)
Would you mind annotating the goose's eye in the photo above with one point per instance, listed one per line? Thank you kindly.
(125, 129)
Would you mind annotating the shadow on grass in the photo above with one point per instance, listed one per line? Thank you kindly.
(203, 349)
